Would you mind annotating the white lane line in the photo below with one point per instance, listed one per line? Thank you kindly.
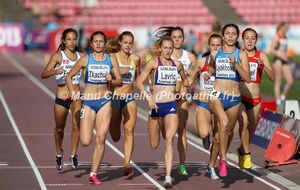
(262, 171)
(142, 116)
(24, 147)
(135, 184)
(36, 59)
(88, 165)
(44, 88)
(235, 166)
(135, 166)
(63, 184)
(20, 67)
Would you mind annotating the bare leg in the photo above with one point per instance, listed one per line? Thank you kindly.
(60, 115)
(102, 127)
(153, 132)
(129, 115)
(75, 109)
(115, 122)
(288, 75)
(278, 78)
(171, 125)
(182, 140)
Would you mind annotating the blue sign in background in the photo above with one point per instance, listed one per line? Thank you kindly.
(268, 122)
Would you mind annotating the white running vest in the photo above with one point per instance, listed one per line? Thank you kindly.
(67, 65)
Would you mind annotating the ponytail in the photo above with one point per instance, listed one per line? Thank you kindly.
(113, 46)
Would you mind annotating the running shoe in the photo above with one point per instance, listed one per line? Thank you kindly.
(168, 182)
(59, 162)
(206, 143)
(94, 180)
(182, 170)
(127, 170)
(247, 161)
(222, 168)
(74, 161)
(212, 173)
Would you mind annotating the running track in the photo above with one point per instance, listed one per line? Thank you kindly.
(27, 155)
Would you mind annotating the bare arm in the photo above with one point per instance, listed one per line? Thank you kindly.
(144, 76)
(118, 78)
(180, 69)
(267, 66)
(49, 69)
(138, 69)
(81, 63)
(82, 54)
(195, 70)
(137, 62)
(243, 66)
(211, 64)
(193, 59)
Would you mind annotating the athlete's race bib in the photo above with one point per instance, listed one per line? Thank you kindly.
(224, 68)
(167, 75)
(66, 69)
(206, 84)
(97, 73)
(253, 70)
(128, 77)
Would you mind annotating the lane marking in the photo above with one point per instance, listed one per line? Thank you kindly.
(22, 142)
(32, 78)
(262, 171)
(63, 184)
(36, 59)
(44, 88)
(135, 184)
(269, 174)
(102, 166)
(142, 116)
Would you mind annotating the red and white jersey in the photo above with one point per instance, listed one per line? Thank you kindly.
(255, 68)
(206, 85)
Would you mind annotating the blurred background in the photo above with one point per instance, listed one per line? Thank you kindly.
(36, 25)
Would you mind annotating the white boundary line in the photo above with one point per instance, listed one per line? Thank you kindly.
(20, 67)
(24, 147)
(230, 163)
(264, 172)
(270, 175)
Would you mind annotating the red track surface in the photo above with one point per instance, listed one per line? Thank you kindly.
(32, 111)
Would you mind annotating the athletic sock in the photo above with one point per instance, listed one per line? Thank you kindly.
(92, 173)
(278, 101)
